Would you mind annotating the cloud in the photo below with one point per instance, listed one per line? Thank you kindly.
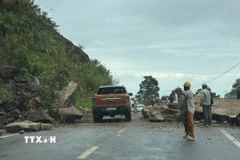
(173, 41)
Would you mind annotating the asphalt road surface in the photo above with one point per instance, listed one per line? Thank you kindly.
(116, 139)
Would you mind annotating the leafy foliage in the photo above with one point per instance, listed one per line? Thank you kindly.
(232, 93)
(30, 41)
(4, 95)
(148, 88)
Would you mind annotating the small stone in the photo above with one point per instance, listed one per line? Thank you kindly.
(21, 132)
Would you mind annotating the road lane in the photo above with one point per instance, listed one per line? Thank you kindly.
(8, 135)
(71, 142)
(157, 143)
(88, 152)
(230, 137)
(138, 139)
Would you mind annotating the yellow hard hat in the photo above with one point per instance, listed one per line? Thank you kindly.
(187, 84)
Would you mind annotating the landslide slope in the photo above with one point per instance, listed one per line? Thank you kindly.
(30, 41)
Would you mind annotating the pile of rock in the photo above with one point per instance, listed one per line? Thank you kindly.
(223, 109)
(65, 110)
(21, 110)
(160, 113)
(24, 95)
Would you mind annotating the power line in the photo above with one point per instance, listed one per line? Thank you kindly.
(220, 75)
(223, 73)
(231, 80)
(214, 78)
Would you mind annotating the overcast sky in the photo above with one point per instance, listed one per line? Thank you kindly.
(172, 40)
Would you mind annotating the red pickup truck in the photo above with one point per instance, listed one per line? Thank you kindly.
(111, 101)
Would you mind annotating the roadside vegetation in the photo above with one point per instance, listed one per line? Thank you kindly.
(232, 93)
(30, 41)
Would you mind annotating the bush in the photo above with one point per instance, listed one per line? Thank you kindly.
(4, 95)
(24, 74)
(48, 97)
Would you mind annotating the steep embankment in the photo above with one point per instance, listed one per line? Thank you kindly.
(31, 44)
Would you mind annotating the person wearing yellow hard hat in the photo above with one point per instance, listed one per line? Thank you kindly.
(187, 108)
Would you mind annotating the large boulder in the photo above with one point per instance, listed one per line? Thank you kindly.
(161, 113)
(45, 126)
(173, 105)
(171, 114)
(69, 114)
(27, 126)
(35, 80)
(15, 114)
(155, 114)
(67, 97)
(8, 72)
(9, 86)
(221, 106)
(3, 120)
(27, 113)
(27, 87)
(170, 111)
(10, 120)
(2, 112)
(222, 109)
(11, 105)
(40, 115)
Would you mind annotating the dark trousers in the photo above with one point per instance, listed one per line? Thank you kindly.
(207, 113)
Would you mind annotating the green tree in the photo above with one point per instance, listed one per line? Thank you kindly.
(232, 93)
(148, 87)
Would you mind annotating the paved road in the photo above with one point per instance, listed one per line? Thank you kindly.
(120, 140)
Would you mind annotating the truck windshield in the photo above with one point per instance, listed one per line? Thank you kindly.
(112, 90)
